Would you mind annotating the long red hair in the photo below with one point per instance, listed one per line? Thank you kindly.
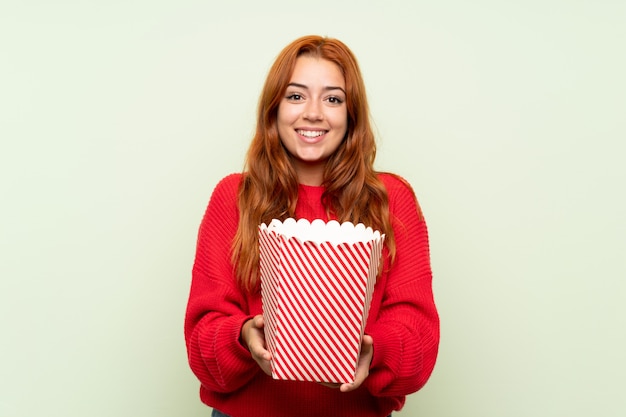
(353, 192)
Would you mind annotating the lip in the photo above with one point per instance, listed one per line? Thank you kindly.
(311, 139)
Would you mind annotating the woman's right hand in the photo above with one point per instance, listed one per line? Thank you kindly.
(253, 337)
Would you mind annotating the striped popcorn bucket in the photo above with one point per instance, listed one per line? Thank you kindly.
(317, 281)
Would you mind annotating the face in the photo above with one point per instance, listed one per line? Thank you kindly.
(312, 116)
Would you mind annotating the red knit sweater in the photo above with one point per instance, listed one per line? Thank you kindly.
(403, 320)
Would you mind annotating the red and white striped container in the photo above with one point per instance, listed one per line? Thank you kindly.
(317, 281)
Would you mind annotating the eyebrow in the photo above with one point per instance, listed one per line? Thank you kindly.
(329, 88)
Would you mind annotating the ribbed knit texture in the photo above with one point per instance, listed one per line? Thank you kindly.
(403, 320)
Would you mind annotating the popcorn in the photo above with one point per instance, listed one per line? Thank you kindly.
(317, 281)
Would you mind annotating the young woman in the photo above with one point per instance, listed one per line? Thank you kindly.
(311, 157)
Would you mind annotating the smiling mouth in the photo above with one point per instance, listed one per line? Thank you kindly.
(311, 133)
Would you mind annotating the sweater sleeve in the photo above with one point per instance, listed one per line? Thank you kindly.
(406, 329)
(216, 309)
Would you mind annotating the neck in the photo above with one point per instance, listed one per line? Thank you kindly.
(310, 174)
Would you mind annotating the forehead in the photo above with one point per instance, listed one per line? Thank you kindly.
(317, 71)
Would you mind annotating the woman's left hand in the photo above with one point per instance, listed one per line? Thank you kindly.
(362, 368)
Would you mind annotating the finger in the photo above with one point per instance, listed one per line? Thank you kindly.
(258, 322)
(350, 386)
(257, 349)
(367, 343)
(260, 353)
(257, 345)
(362, 371)
(265, 366)
(358, 380)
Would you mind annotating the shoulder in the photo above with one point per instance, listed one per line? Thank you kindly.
(227, 189)
(396, 185)
(230, 181)
(399, 191)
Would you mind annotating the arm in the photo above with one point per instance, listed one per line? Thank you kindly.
(216, 310)
(406, 327)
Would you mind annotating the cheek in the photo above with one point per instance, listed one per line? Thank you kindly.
(285, 115)
(280, 113)
(341, 120)
(282, 126)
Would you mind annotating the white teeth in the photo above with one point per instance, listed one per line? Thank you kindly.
(311, 133)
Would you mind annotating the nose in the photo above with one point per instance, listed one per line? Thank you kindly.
(313, 111)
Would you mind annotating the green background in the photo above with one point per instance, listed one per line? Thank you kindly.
(118, 118)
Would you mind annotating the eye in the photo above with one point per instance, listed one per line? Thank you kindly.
(294, 97)
(334, 100)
